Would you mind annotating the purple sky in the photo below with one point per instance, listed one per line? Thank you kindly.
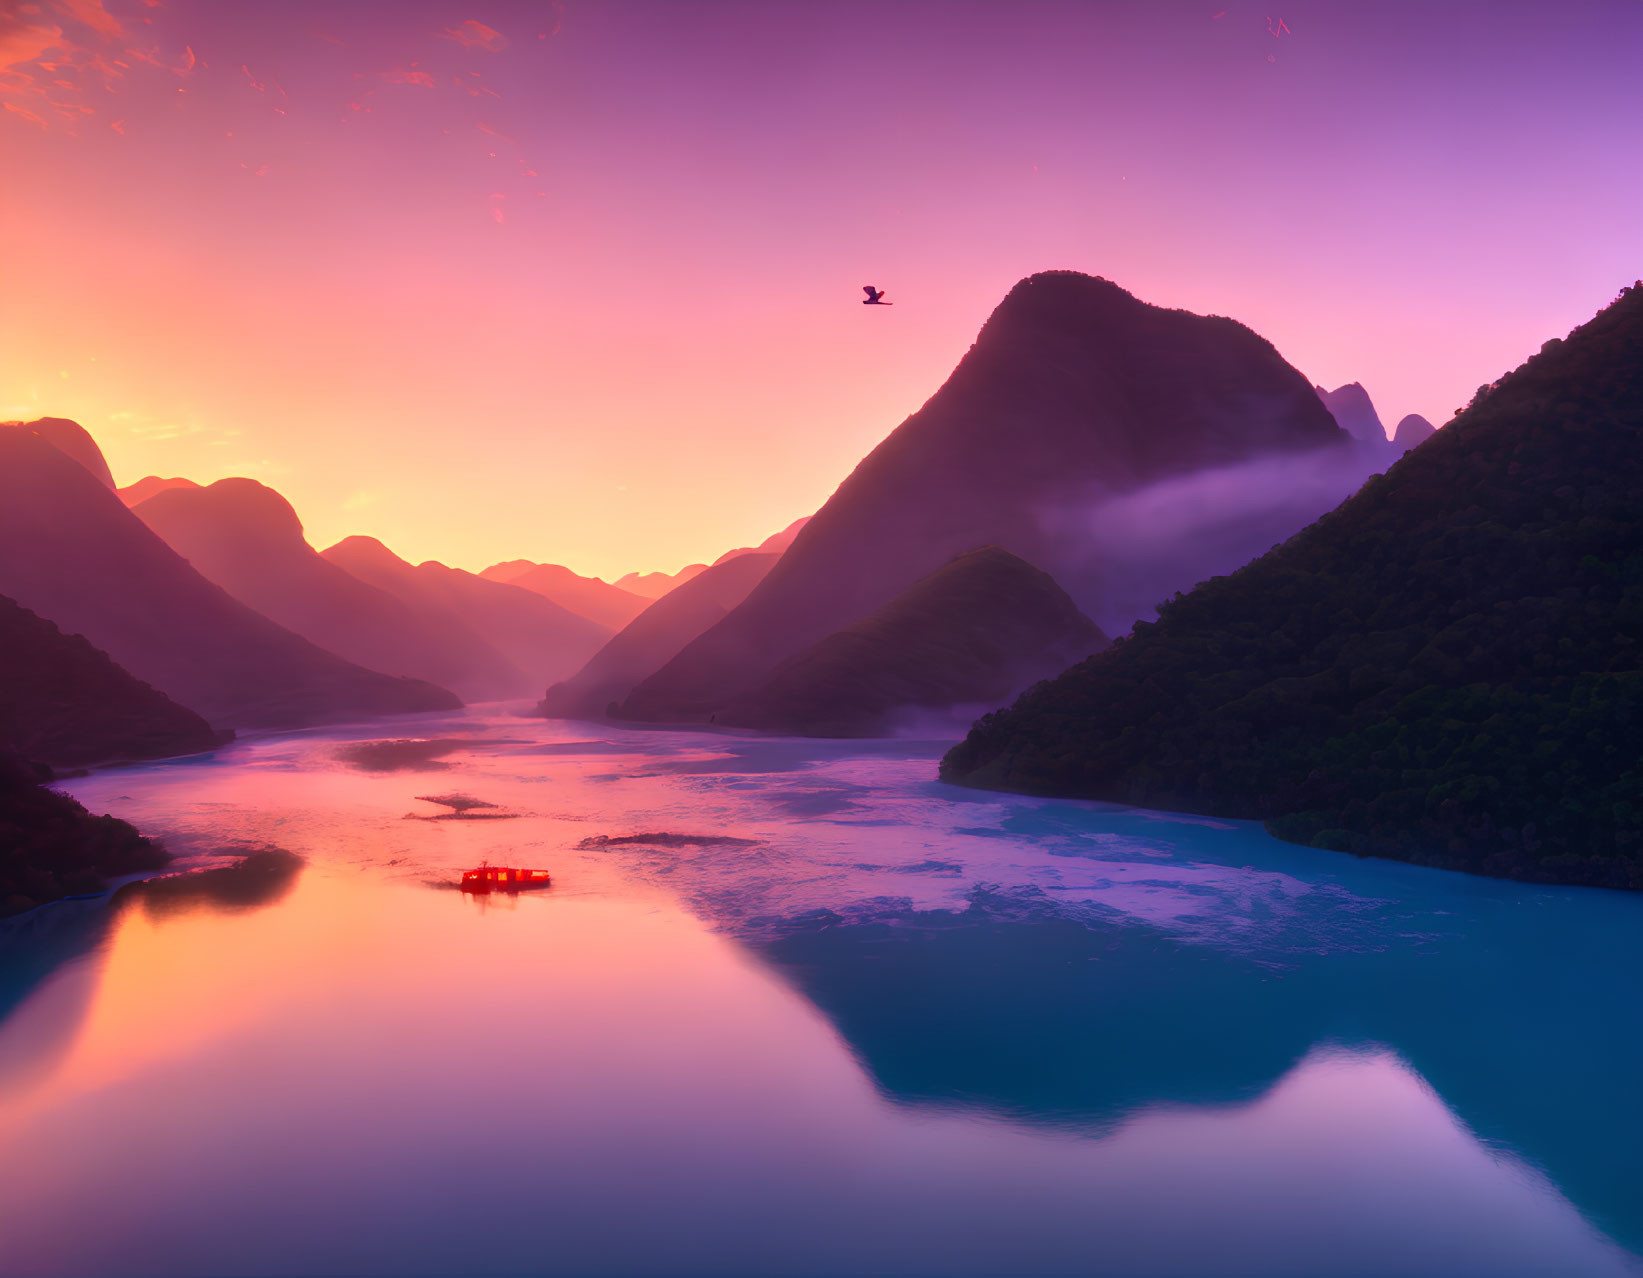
(578, 282)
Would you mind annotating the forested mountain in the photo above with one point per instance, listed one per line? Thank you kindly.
(1447, 669)
(974, 632)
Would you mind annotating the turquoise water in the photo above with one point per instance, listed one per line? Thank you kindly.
(826, 1016)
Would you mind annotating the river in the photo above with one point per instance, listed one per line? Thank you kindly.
(794, 1007)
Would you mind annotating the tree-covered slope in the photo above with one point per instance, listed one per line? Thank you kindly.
(51, 847)
(64, 702)
(1446, 669)
(975, 631)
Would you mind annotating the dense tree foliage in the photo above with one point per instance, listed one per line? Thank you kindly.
(1445, 669)
(51, 847)
(974, 632)
(66, 703)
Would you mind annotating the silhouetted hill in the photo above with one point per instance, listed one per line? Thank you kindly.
(775, 544)
(1444, 670)
(1354, 412)
(71, 552)
(51, 847)
(589, 597)
(654, 636)
(149, 486)
(72, 440)
(63, 702)
(1123, 447)
(653, 585)
(536, 635)
(247, 538)
(975, 632)
(507, 570)
(1412, 431)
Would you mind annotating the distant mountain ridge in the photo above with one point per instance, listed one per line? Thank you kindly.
(655, 636)
(247, 539)
(653, 585)
(590, 597)
(1446, 669)
(535, 635)
(149, 486)
(1074, 393)
(71, 552)
(1412, 431)
(1355, 413)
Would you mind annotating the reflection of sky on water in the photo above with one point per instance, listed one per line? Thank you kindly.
(907, 1029)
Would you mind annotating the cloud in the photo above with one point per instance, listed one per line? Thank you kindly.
(67, 47)
(476, 35)
(24, 112)
(410, 75)
(1119, 555)
(93, 15)
(22, 42)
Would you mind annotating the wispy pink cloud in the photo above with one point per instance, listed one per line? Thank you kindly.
(476, 35)
(410, 75)
(24, 112)
(93, 15)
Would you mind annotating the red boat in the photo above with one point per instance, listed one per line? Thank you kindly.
(503, 878)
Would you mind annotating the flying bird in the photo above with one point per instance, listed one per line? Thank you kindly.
(875, 297)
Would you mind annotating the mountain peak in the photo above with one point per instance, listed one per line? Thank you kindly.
(241, 506)
(72, 440)
(362, 549)
(149, 486)
(1354, 412)
(1415, 694)
(1412, 430)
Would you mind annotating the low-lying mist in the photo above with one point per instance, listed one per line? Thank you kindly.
(1120, 556)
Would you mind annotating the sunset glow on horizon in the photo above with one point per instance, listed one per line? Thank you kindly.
(580, 282)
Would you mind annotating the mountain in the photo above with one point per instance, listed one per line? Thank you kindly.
(72, 440)
(1127, 449)
(507, 570)
(1412, 431)
(775, 544)
(71, 552)
(589, 597)
(63, 702)
(148, 486)
(975, 632)
(653, 585)
(51, 847)
(1354, 412)
(246, 538)
(654, 636)
(540, 638)
(1446, 669)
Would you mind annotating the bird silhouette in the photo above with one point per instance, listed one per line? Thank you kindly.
(875, 297)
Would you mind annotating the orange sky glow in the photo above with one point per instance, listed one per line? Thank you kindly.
(580, 282)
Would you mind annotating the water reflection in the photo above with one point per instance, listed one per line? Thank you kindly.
(74, 934)
(257, 879)
(790, 1007)
(1010, 1007)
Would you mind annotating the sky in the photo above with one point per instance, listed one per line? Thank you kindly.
(578, 281)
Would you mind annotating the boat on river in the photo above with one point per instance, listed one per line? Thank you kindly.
(503, 878)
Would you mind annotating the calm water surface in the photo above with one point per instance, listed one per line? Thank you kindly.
(826, 1016)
